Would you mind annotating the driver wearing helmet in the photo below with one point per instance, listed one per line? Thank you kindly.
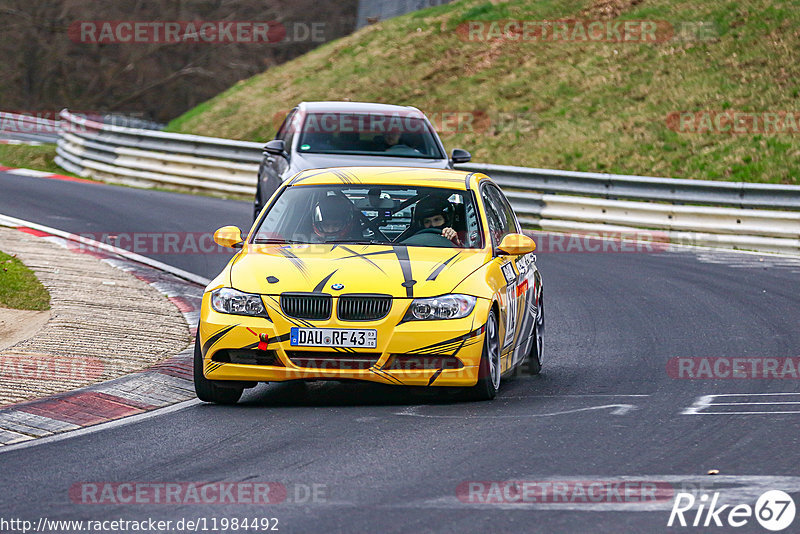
(436, 212)
(334, 218)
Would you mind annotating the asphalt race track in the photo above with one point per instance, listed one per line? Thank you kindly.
(391, 460)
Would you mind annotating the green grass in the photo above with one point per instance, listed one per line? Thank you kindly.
(580, 106)
(39, 158)
(19, 287)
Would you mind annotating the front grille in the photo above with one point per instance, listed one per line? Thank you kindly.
(333, 360)
(247, 357)
(410, 362)
(306, 305)
(363, 307)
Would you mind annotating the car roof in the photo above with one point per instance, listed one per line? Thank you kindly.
(410, 176)
(354, 107)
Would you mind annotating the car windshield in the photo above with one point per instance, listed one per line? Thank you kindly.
(378, 214)
(401, 135)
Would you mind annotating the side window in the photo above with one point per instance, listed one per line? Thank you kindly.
(499, 213)
(508, 211)
(287, 130)
(494, 217)
(473, 224)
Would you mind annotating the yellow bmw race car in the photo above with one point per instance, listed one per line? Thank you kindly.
(404, 276)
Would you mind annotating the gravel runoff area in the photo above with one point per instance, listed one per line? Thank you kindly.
(104, 323)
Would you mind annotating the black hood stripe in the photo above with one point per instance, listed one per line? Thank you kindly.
(296, 322)
(319, 287)
(297, 262)
(355, 254)
(405, 267)
(439, 268)
(297, 179)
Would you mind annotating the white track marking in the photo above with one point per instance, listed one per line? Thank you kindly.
(705, 402)
(733, 489)
(617, 409)
(576, 395)
(102, 426)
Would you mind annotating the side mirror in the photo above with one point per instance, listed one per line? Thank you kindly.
(276, 147)
(460, 156)
(517, 244)
(229, 237)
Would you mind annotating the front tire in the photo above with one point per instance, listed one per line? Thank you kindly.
(489, 369)
(207, 390)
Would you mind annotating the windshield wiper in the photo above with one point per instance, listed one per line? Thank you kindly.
(272, 241)
(357, 242)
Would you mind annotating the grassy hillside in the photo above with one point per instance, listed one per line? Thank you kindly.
(588, 106)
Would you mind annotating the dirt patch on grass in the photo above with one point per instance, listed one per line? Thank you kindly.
(19, 325)
(608, 9)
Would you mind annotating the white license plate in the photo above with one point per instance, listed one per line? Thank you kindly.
(333, 337)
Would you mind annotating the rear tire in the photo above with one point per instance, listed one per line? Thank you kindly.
(207, 390)
(536, 355)
(489, 368)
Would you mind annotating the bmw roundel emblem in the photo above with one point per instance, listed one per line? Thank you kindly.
(337, 287)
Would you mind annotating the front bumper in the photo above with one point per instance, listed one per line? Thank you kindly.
(414, 353)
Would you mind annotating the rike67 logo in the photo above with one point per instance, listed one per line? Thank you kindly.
(774, 510)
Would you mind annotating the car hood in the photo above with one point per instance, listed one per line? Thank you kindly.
(399, 271)
(301, 162)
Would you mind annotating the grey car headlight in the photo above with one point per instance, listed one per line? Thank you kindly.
(444, 307)
(228, 300)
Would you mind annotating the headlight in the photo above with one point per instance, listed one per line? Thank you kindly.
(444, 307)
(227, 300)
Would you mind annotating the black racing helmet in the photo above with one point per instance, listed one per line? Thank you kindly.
(333, 216)
(431, 206)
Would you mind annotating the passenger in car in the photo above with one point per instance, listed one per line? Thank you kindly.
(433, 215)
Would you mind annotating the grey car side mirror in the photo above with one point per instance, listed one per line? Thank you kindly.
(276, 147)
(460, 156)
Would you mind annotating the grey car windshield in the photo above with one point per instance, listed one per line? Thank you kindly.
(372, 214)
(400, 135)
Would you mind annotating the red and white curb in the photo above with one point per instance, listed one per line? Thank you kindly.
(42, 174)
(164, 384)
(19, 142)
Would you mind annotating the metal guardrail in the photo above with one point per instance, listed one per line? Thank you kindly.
(33, 129)
(26, 128)
(154, 158)
(738, 194)
(762, 217)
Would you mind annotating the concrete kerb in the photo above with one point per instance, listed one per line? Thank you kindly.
(166, 383)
